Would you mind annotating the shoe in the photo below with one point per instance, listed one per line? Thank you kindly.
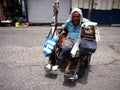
(74, 77)
(71, 75)
(55, 68)
(67, 74)
(48, 67)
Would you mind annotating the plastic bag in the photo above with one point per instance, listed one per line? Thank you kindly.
(50, 42)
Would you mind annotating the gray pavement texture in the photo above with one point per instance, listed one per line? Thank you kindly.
(22, 62)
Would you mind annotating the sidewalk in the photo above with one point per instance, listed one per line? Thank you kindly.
(25, 28)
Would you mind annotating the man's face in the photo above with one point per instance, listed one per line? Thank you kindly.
(76, 18)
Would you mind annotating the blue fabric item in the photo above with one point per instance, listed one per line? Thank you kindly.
(88, 44)
(65, 52)
(73, 32)
(49, 45)
(84, 51)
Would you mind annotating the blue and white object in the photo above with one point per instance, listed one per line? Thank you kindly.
(50, 42)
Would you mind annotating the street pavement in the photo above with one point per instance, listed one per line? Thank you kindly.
(22, 62)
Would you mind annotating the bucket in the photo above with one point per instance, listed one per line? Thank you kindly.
(17, 24)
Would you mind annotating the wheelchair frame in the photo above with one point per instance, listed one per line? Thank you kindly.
(79, 68)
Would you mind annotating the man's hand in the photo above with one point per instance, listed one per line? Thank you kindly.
(59, 30)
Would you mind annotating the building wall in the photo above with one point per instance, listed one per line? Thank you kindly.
(41, 11)
(102, 11)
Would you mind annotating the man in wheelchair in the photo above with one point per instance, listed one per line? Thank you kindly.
(73, 26)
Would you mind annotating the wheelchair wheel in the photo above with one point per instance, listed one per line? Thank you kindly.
(81, 70)
(58, 58)
(87, 61)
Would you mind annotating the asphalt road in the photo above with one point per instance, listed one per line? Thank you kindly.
(22, 62)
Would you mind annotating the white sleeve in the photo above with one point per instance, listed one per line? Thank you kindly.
(97, 35)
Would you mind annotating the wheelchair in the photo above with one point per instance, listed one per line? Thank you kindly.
(56, 62)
